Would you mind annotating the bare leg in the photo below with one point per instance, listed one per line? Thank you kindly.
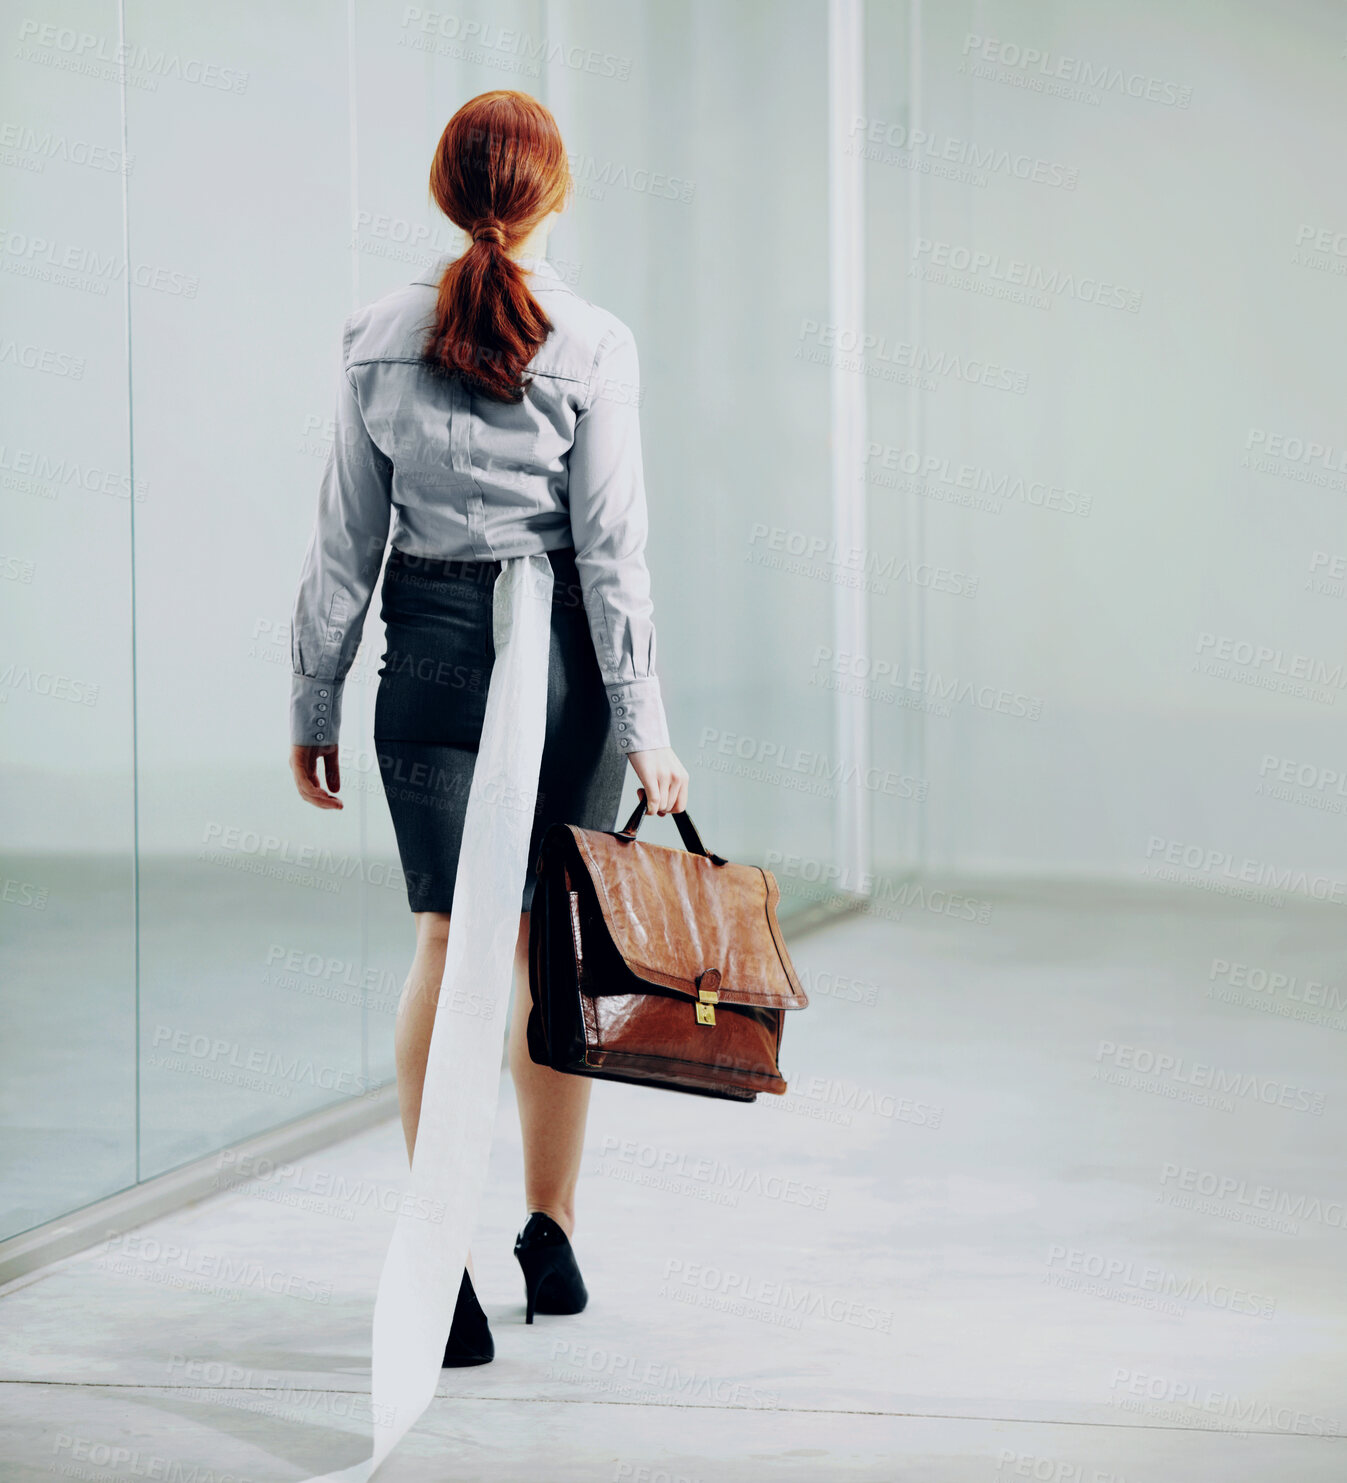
(552, 1106)
(552, 1110)
(416, 1019)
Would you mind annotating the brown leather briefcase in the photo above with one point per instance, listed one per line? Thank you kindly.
(657, 966)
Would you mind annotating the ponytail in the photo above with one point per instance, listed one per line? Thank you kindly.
(499, 168)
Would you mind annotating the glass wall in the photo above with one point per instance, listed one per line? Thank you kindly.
(197, 198)
(67, 723)
(1106, 264)
(1100, 494)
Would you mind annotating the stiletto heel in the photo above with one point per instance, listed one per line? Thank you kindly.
(552, 1280)
(470, 1341)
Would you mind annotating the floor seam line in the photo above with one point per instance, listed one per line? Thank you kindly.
(692, 1406)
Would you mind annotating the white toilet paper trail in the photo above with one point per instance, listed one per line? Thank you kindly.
(418, 1287)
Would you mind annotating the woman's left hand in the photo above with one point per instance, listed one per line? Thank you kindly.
(664, 780)
(304, 766)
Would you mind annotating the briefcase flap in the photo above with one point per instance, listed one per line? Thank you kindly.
(686, 923)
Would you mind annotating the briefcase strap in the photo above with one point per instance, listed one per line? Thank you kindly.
(692, 841)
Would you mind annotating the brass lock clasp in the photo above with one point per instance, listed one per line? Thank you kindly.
(708, 996)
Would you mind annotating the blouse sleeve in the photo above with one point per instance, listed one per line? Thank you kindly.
(340, 568)
(609, 527)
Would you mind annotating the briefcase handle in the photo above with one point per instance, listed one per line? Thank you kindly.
(692, 841)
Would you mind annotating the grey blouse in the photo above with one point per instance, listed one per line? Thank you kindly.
(453, 474)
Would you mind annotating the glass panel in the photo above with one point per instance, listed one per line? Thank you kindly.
(253, 904)
(716, 259)
(1131, 439)
(273, 939)
(67, 1063)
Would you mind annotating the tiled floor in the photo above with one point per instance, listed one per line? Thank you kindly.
(961, 1249)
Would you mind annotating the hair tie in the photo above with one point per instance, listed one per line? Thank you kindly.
(489, 231)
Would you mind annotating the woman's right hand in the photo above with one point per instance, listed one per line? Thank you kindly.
(664, 780)
(304, 768)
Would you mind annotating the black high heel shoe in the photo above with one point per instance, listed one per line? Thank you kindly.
(552, 1280)
(470, 1341)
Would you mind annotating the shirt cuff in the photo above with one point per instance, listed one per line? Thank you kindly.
(639, 722)
(315, 711)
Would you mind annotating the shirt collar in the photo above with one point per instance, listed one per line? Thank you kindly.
(537, 267)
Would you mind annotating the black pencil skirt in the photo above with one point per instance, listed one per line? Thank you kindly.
(431, 703)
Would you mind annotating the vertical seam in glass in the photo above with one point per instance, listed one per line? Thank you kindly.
(848, 393)
(361, 795)
(916, 409)
(131, 472)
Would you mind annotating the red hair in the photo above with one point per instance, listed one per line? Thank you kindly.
(499, 168)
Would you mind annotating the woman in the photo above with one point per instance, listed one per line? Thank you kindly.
(487, 412)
